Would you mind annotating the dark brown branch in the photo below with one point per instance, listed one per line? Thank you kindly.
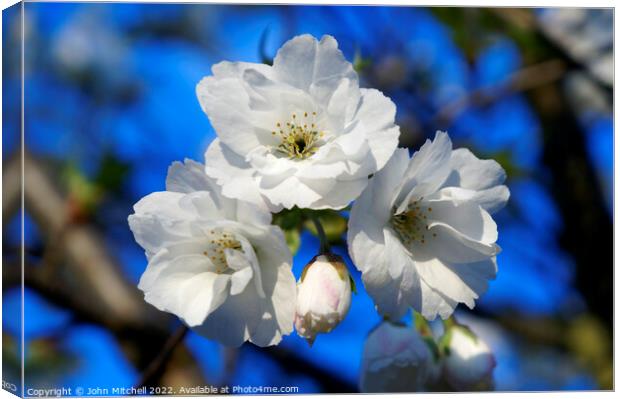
(154, 370)
(11, 187)
(57, 294)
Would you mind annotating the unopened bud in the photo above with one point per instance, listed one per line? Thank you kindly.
(469, 362)
(396, 358)
(323, 296)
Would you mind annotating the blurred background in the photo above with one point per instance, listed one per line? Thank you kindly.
(110, 103)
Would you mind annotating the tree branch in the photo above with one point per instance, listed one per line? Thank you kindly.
(157, 365)
(85, 279)
(522, 80)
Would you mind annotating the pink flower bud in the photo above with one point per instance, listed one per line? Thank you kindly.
(323, 296)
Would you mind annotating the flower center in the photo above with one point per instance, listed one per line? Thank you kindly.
(219, 241)
(412, 225)
(300, 137)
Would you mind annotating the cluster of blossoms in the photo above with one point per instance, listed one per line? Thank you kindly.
(398, 358)
(302, 134)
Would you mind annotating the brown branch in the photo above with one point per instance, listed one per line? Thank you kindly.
(82, 248)
(57, 294)
(524, 20)
(86, 279)
(525, 79)
(157, 365)
(11, 187)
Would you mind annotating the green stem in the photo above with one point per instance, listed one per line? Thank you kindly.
(449, 322)
(322, 237)
(421, 324)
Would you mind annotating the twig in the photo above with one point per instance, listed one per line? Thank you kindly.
(157, 365)
(522, 80)
(525, 20)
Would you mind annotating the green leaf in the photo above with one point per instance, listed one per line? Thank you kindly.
(444, 342)
(353, 287)
(112, 172)
(80, 188)
(292, 240)
(360, 64)
(289, 219)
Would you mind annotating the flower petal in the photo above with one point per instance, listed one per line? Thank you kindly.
(343, 193)
(385, 292)
(434, 303)
(233, 174)
(289, 193)
(303, 62)
(443, 279)
(371, 211)
(492, 199)
(188, 177)
(377, 113)
(465, 216)
(159, 220)
(232, 323)
(366, 239)
(226, 103)
(240, 279)
(458, 231)
(184, 287)
(227, 69)
(473, 173)
(278, 316)
(428, 169)
(484, 177)
(161, 260)
(403, 269)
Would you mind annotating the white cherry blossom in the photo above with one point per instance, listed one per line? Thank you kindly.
(323, 296)
(215, 262)
(396, 359)
(298, 133)
(422, 234)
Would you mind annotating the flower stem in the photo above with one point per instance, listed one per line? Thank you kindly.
(322, 237)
